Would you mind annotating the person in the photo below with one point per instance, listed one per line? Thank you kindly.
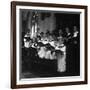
(42, 52)
(60, 50)
(45, 39)
(41, 34)
(26, 40)
(47, 33)
(27, 33)
(34, 44)
(75, 35)
(67, 36)
(38, 32)
(38, 39)
(60, 32)
(76, 49)
(61, 61)
(27, 44)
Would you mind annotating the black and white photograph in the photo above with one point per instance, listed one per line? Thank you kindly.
(48, 44)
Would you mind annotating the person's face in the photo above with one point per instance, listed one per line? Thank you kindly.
(60, 31)
(38, 38)
(75, 28)
(41, 34)
(61, 41)
(67, 30)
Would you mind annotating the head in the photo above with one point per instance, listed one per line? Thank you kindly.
(60, 31)
(61, 41)
(67, 30)
(38, 38)
(42, 34)
(50, 37)
(74, 28)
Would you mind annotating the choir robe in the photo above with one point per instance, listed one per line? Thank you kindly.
(61, 59)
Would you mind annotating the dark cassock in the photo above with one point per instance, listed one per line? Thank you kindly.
(69, 51)
(76, 51)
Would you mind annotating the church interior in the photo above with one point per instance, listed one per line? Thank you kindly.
(49, 43)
